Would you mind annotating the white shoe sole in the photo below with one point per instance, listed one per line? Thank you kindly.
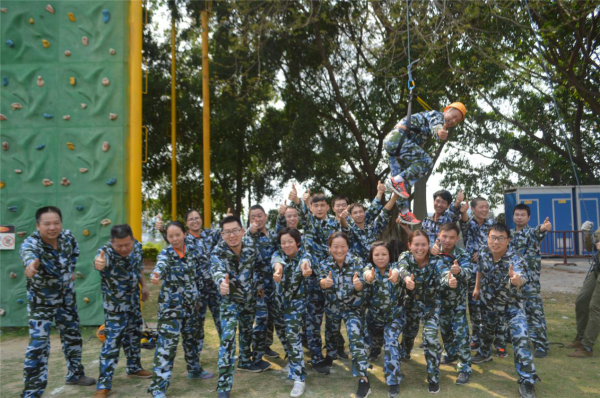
(297, 393)
(403, 221)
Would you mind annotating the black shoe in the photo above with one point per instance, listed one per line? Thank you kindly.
(446, 360)
(341, 353)
(364, 389)
(501, 353)
(328, 361)
(263, 365)
(463, 378)
(394, 391)
(477, 359)
(421, 345)
(374, 354)
(474, 346)
(82, 381)
(540, 354)
(223, 394)
(321, 367)
(250, 368)
(527, 390)
(271, 354)
(434, 388)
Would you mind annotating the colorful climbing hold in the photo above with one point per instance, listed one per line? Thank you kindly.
(105, 146)
(83, 105)
(64, 181)
(16, 106)
(10, 43)
(5, 145)
(5, 10)
(18, 171)
(71, 146)
(83, 170)
(50, 9)
(13, 208)
(84, 40)
(13, 275)
(48, 116)
(79, 208)
(2, 312)
(78, 275)
(20, 301)
(112, 51)
(2, 117)
(40, 81)
(22, 233)
(105, 222)
(86, 232)
(71, 17)
(31, 21)
(4, 81)
(45, 43)
(40, 147)
(67, 117)
(105, 81)
(87, 300)
(106, 16)
(112, 116)
(112, 181)
(72, 81)
(47, 182)
(67, 53)
(2, 184)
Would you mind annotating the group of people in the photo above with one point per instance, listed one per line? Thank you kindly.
(259, 282)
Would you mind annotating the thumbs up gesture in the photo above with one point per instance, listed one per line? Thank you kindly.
(410, 282)
(455, 269)
(282, 209)
(327, 282)
(436, 248)
(306, 270)
(229, 213)
(452, 281)
(370, 275)
(464, 207)
(159, 222)
(394, 275)
(155, 278)
(100, 261)
(356, 282)
(224, 288)
(306, 196)
(547, 225)
(443, 133)
(293, 196)
(253, 228)
(515, 278)
(278, 274)
(33, 268)
(460, 197)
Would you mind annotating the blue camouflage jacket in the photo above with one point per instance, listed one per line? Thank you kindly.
(317, 232)
(362, 239)
(496, 289)
(424, 125)
(432, 226)
(526, 243)
(290, 293)
(384, 301)
(475, 235)
(453, 297)
(427, 280)
(342, 293)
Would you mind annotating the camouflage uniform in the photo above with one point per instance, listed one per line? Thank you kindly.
(239, 306)
(422, 303)
(289, 307)
(475, 237)
(410, 160)
(122, 315)
(51, 297)
(498, 297)
(177, 313)
(384, 320)
(431, 226)
(316, 235)
(526, 243)
(453, 314)
(344, 302)
(361, 239)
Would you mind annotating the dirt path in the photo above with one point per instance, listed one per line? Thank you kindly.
(563, 279)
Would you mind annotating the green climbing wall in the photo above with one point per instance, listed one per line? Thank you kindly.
(64, 70)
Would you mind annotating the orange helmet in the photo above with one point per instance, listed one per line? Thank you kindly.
(458, 105)
(100, 333)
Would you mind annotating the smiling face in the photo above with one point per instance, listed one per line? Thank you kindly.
(50, 226)
(498, 243)
(448, 240)
(339, 206)
(452, 117)
(259, 218)
(481, 209)
(194, 222)
(358, 214)
(232, 234)
(320, 209)
(175, 236)
(289, 245)
(381, 257)
(521, 218)
(440, 205)
(419, 247)
(123, 247)
(339, 249)
(291, 217)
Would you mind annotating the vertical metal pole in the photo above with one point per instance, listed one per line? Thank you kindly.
(206, 119)
(173, 125)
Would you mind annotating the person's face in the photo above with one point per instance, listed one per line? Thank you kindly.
(498, 242)
(258, 217)
(358, 214)
(419, 247)
(481, 209)
(175, 236)
(232, 234)
(123, 247)
(50, 226)
(338, 249)
(339, 206)
(452, 117)
(521, 218)
(440, 205)
(289, 245)
(194, 222)
(381, 257)
(291, 217)
(448, 240)
(320, 209)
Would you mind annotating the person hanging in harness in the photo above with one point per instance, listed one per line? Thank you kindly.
(408, 161)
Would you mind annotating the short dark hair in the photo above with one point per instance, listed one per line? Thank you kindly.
(418, 232)
(445, 195)
(229, 219)
(353, 205)
(318, 197)
(293, 232)
(121, 231)
(177, 224)
(477, 200)
(47, 209)
(379, 243)
(450, 226)
(257, 207)
(522, 206)
(337, 198)
(190, 211)
(500, 227)
(338, 234)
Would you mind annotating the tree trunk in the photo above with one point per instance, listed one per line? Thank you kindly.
(419, 204)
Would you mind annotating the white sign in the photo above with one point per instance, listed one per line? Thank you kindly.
(7, 237)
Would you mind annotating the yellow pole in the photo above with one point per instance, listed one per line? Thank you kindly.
(206, 119)
(134, 184)
(173, 126)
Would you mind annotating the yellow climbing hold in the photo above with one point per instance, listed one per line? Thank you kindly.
(71, 146)
(87, 300)
(2, 184)
(45, 43)
(72, 81)
(86, 232)
(71, 17)
(31, 21)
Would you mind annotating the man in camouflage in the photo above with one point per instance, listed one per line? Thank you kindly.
(120, 263)
(501, 275)
(49, 257)
(444, 212)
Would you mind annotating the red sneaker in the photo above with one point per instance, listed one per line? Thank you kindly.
(408, 218)
(501, 353)
(397, 187)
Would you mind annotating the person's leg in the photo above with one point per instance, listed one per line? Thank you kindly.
(67, 322)
(582, 303)
(447, 331)
(115, 324)
(293, 329)
(460, 328)
(431, 343)
(391, 361)
(35, 370)
(490, 318)
(418, 161)
(226, 362)
(475, 314)
(166, 349)
(246, 316)
(259, 332)
(410, 329)
(593, 326)
(376, 335)
(500, 334)
(536, 320)
(314, 318)
(520, 342)
(333, 325)
(353, 319)
(214, 303)
(131, 341)
(191, 333)
(204, 304)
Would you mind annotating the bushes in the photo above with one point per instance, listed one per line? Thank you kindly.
(151, 251)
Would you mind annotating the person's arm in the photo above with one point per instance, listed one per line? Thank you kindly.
(31, 257)
(218, 270)
(477, 289)
(466, 268)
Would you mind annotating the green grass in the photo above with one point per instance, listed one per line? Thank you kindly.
(561, 376)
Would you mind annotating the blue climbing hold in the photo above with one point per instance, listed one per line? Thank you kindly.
(112, 181)
(48, 116)
(40, 147)
(4, 81)
(10, 43)
(20, 301)
(13, 208)
(79, 208)
(105, 16)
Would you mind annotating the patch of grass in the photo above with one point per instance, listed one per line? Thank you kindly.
(562, 376)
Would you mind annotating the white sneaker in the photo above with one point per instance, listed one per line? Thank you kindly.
(298, 389)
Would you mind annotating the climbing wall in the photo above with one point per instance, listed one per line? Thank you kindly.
(64, 131)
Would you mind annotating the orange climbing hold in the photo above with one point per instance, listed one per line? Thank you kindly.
(72, 17)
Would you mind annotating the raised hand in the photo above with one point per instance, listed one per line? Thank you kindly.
(306, 270)
(452, 281)
(410, 282)
(547, 225)
(370, 276)
(460, 196)
(356, 282)
(464, 207)
(293, 196)
(394, 275)
(155, 278)
(282, 209)
(159, 222)
(278, 274)
(229, 213)
(253, 228)
(327, 282)
(443, 133)
(306, 196)
(515, 278)
(455, 269)
(436, 248)
(224, 288)
(32, 268)
(100, 261)
(344, 213)
(380, 187)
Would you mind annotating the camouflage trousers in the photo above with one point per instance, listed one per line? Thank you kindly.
(315, 307)
(411, 163)
(455, 335)
(210, 298)
(234, 315)
(474, 312)
(536, 319)
(354, 318)
(386, 334)
(121, 329)
(264, 324)
(334, 340)
(430, 314)
(290, 319)
(517, 323)
(169, 329)
(35, 370)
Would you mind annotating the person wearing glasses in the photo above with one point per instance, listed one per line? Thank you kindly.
(236, 269)
(501, 275)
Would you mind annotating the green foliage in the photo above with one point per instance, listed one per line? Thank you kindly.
(151, 251)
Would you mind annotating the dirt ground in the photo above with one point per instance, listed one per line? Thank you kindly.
(563, 278)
